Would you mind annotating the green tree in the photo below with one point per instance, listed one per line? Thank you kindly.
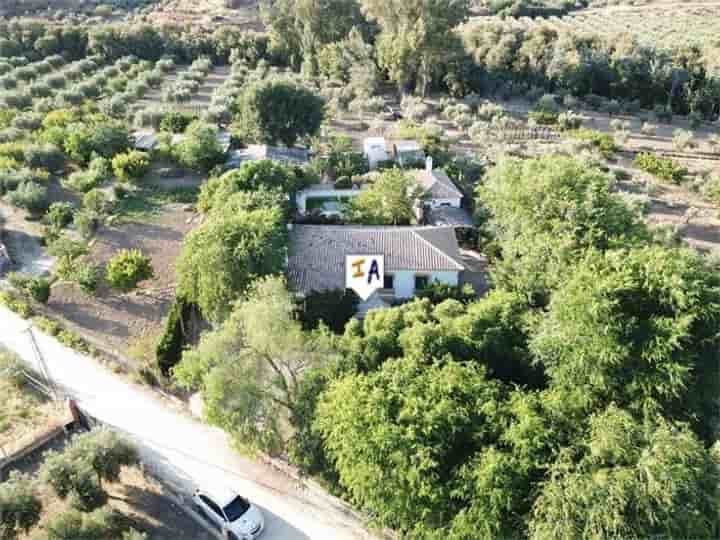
(547, 211)
(266, 181)
(104, 138)
(200, 148)
(127, 268)
(634, 480)
(391, 199)
(220, 259)
(398, 436)
(278, 111)
(19, 506)
(131, 166)
(249, 368)
(636, 327)
(416, 37)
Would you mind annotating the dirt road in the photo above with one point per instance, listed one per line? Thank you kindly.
(185, 452)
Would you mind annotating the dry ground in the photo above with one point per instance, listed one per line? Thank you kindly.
(121, 319)
(24, 413)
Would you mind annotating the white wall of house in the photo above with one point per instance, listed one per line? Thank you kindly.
(404, 281)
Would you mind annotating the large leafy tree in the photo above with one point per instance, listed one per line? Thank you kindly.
(391, 199)
(278, 111)
(249, 369)
(415, 36)
(298, 28)
(632, 480)
(223, 257)
(546, 211)
(637, 327)
(264, 178)
(398, 436)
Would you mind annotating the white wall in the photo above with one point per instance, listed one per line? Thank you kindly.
(404, 281)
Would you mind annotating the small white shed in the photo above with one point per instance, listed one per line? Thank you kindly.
(375, 150)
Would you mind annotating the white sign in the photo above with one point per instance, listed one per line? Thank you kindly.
(364, 274)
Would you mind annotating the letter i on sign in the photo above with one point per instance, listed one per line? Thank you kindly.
(364, 274)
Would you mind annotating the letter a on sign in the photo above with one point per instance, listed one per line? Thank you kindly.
(364, 274)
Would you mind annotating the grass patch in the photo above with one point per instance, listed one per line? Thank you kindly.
(148, 202)
(23, 409)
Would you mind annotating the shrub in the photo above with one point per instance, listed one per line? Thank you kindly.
(543, 118)
(439, 292)
(101, 524)
(104, 139)
(96, 201)
(683, 139)
(200, 148)
(332, 308)
(663, 168)
(176, 122)
(662, 113)
(17, 100)
(37, 288)
(59, 215)
(546, 103)
(170, 346)
(15, 304)
(569, 120)
(19, 506)
(127, 268)
(11, 179)
(86, 223)
(30, 196)
(131, 166)
(45, 156)
(40, 90)
(648, 129)
(27, 121)
(71, 97)
(601, 141)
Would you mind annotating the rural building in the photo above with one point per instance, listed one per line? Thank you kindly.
(414, 258)
(408, 153)
(376, 151)
(258, 152)
(441, 190)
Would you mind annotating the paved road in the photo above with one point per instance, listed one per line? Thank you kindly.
(182, 450)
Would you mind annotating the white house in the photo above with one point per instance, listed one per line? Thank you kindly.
(441, 190)
(375, 150)
(414, 258)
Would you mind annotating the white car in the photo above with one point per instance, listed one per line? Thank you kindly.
(231, 513)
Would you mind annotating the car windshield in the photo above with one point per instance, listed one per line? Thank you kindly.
(236, 508)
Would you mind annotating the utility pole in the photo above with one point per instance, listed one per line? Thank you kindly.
(44, 371)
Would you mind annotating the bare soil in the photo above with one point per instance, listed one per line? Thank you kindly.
(121, 319)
